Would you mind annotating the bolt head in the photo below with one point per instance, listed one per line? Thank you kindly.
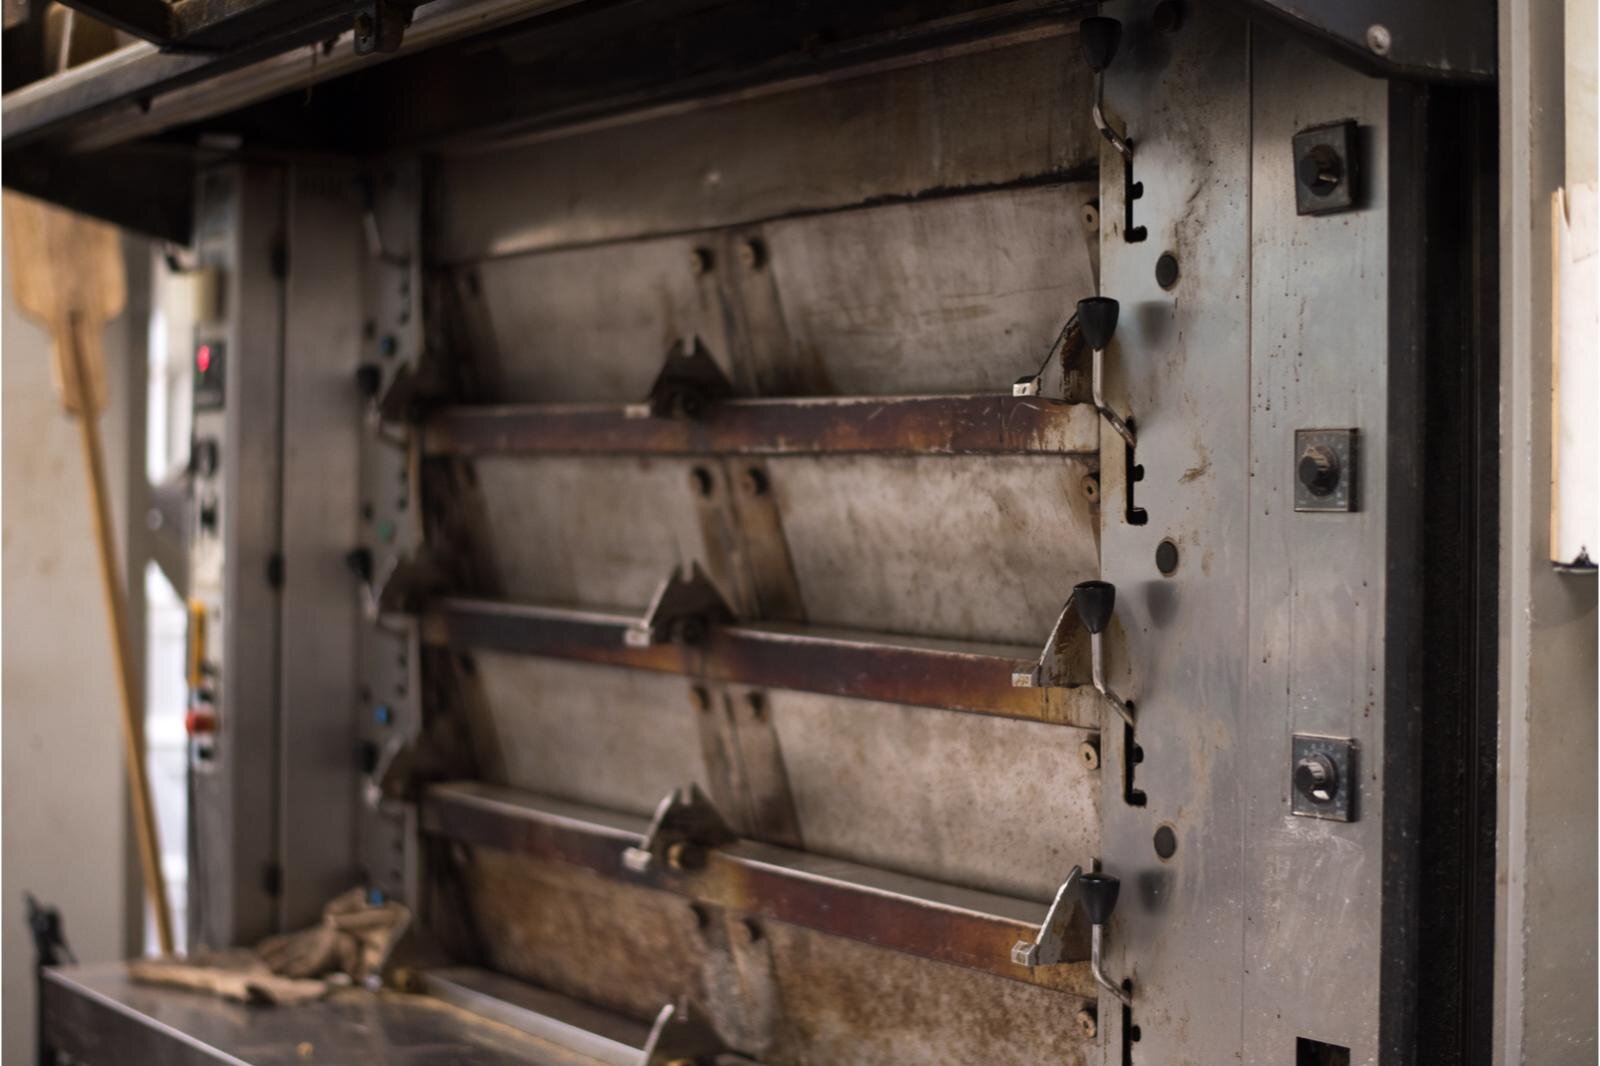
(1088, 1025)
(1379, 39)
(1025, 953)
(754, 481)
(1089, 752)
(752, 254)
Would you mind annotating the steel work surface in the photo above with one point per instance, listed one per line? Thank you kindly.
(98, 1014)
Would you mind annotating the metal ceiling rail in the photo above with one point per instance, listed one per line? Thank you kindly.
(139, 89)
(935, 921)
(947, 675)
(898, 425)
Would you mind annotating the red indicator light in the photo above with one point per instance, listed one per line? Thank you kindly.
(202, 358)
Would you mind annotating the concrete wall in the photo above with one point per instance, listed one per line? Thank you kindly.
(65, 836)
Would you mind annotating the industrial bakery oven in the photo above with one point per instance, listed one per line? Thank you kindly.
(836, 533)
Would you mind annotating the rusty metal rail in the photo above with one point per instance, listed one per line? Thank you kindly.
(963, 927)
(900, 425)
(950, 675)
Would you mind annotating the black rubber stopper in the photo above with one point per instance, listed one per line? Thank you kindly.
(1099, 896)
(1099, 38)
(369, 379)
(359, 562)
(1097, 318)
(1094, 601)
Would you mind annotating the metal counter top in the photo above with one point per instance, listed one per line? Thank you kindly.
(98, 1015)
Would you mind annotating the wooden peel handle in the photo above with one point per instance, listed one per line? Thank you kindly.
(80, 343)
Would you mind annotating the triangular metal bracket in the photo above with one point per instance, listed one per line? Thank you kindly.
(405, 587)
(685, 605)
(411, 389)
(1049, 947)
(686, 825)
(1064, 662)
(690, 381)
(679, 1037)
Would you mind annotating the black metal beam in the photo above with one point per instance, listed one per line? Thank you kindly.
(935, 921)
(949, 675)
(900, 425)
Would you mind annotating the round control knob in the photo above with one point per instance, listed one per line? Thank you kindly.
(1320, 170)
(1319, 470)
(1316, 778)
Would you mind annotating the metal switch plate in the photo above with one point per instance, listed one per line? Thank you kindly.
(1327, 171)
(1325, 467)
(1335, 799)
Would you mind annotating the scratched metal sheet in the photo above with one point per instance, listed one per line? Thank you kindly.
(983, 117)
(990, 803)
(969, 549)
(837, 1001)
(617, 739)
(587, 324)
(958, 294)
(961, 294)
(592, 532)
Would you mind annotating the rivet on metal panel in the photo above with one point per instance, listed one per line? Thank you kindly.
(1167, 270)
(701, 481)
(752, 254)
(1167, 557)
(754, 481)
(1165, 842)
(1379, 39)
